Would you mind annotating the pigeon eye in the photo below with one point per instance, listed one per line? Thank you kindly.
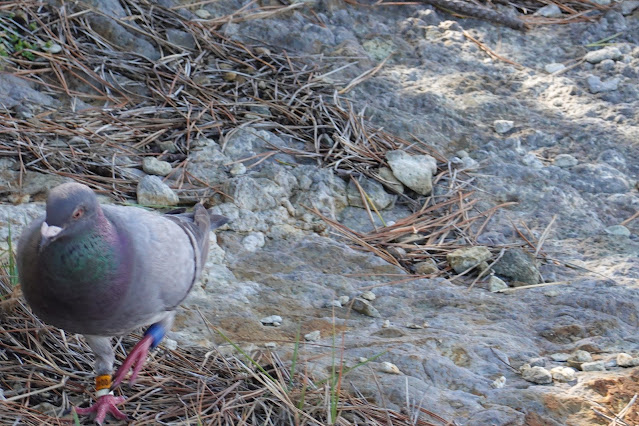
(77, 213)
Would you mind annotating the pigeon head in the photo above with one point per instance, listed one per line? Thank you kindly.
(71, 209)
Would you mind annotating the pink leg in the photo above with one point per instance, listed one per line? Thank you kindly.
(135, 360)
(106, 404)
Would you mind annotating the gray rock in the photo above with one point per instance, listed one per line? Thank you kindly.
(151, 191)
(531, 160)
(618, 230)
(343, 300)
(563, 374)
(313, 336)
(254, 241)
(578, 358)
(593, 366)
(560, 357)
(180, 38)
(554, 67)
(333, 304)
(237, 169)
(628, 6)
(389, 180)
(375, 192)
(364, 307)
(272, 320)
(15, 91)
(368, 295)
(427, 267)
(549, 11)
(153, 166)
(595, 85)
(565, 161)
(538, 375)
(203, 13)
(468, 257)
(626, 360)
(503, 126)
(608, 52)
(537, 362)
(518, 266)
(598, 178)
(496, 284)
(414, 171)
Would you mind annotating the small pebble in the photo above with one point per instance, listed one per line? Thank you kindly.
(386, 324)
(390, 368)
(560, 357)
(364, 307)
(626, 360)
(499, 382)
(593, 366)
(532, 161)
(238, 169)
(595, 85)
(333, 304)
(496, 284)
(608, 52)
(537, 375)
(313, 336)
(563, 374)
(426, 267)
(270, 345)
(537, 362)
(503, 126)
(344, 300)
(414, 326)
(153, 166)
(554, 67)
(549, 11)
(203, 13)
(368, 295)
(273, 320)
(565, 160)
(362, 360)
(52, 48)
(170, 344)
(578, 358)
(151, 191)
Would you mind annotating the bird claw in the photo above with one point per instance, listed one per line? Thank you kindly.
(106, 404)
(134, 360)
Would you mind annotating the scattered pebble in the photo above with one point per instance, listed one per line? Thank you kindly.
(153, 166)
(628, 6)
(607, 65)
(333, 304)
(427, 267)
(578, 358)
(593, 366)
(499, 382)
(52, 48)
(313, 336)
(344, 300)
(270, 345)
(565, 161)
(618, 230)
(554, 67)
(537, 375)
(549, 11)
(390, 368)
(414, 171)
(518, 266)
(560, 357)
(595, 85)
(608, 52)
(203, 13)
(386, 324)
(362, 360)
(414, 326)
(273, 320)
(503, 126)
(532, 161)
(238, 169)
(496, 284)
(467, 257)
(170, 344)
(563, 374)
(389, 180)
(368, 295)
(364, 307)
(151, 191)
(625, 360)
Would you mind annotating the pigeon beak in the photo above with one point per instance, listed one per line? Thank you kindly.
(48, 234)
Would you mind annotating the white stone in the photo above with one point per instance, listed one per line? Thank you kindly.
(151, 191)
(626, 360)
(608, 52)
(203, 13)
(554, 67)
(368, 295)
(414, 171)
(565, 160)
(253, 241)
(503, 126)
(390, 368)
(549, 11)
(313, 336)
(537, 375)
(495, 284)
(499, 382)
(563, 374)
(593, 366)
(153, 166)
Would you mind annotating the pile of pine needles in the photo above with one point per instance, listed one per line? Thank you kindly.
(44, 372)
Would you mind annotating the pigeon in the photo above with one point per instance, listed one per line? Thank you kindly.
(105, 270)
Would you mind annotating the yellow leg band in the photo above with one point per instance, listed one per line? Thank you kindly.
(103, 382)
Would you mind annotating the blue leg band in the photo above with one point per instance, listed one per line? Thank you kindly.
(157, 332)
